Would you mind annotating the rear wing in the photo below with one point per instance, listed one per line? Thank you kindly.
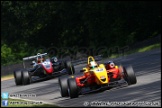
(33, 57)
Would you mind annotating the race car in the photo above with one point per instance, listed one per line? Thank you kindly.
(43, 68)
(96, 77)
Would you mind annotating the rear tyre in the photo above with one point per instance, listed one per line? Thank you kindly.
(25, 77)
(70, 68)
(129, 75)
(73, 88)
(63, 86)
(18, 77)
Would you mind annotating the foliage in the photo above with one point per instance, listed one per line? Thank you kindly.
(28, 26)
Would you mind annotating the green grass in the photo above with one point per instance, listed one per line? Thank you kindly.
(143, 49)
(10, 75)
(6, 77)
(22, 103)
(148, 48)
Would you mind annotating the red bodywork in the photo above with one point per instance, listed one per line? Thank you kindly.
(47, 67)
(114, 73)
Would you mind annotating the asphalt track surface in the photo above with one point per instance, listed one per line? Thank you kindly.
(147, 91)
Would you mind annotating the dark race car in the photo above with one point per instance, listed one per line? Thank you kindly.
(43, 68)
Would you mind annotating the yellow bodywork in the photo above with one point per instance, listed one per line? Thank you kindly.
(100, 73)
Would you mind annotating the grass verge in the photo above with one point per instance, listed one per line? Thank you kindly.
(143, 49)
(6, 77)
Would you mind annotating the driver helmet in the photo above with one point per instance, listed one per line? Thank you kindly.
(111, 65)
(54, 59)
(93, 64)
(40, 59)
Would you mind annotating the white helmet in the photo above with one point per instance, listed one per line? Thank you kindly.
(93, 64)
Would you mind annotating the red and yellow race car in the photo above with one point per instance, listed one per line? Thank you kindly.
(96, 77)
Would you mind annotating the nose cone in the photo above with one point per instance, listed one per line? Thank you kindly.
(103, 78)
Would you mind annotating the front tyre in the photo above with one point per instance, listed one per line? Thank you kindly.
(129, 75)
(70, 68)
(63, 86)
(25, 77)
(18, 77)
(73, 88)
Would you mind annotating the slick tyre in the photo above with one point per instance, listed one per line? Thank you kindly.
(63, 86)
(25, 77)
(70, 68)
(18, 77)
(129, 75)
(73, 89)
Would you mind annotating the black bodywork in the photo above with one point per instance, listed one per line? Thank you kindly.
(44, 69)
(38, 70)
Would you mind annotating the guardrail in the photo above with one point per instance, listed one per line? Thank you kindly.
(5, 70)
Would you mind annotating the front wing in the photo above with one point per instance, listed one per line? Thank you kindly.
(114, 84)
(54, 74)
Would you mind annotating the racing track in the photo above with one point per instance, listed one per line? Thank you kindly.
(147, 67)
